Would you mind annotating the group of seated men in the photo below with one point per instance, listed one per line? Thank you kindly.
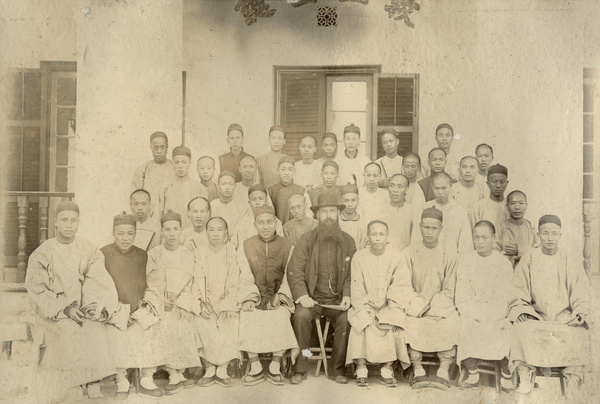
(404, 261)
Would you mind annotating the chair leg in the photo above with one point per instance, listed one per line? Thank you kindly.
(137, 375)
(323, 352)
(498, 376)
(562, 382)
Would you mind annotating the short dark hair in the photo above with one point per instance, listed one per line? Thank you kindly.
(206, 157)
(486, 223)
(434, 149)
(411, 154)
(142, 191)
(484, 145)
(199, 197)
(466, 157)
(513, 193)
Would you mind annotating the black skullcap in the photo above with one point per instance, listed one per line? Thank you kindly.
(549, 219)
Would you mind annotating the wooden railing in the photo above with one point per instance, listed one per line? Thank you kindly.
(23, 198)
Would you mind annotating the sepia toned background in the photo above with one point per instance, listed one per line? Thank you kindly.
(522, 76)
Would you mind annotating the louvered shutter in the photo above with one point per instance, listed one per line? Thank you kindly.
(302, 104)
(396, 106)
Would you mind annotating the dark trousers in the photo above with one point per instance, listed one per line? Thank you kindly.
(303, 324)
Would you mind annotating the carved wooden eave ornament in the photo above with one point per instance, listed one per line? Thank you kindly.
(253, 9)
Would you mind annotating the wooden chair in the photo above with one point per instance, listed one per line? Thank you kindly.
(321, 353)
(555, 372)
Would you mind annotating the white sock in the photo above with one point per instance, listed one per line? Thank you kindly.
(256, 368)
(222, 372)
(473, 377)
(387, 373)
(362, 372)
(176, 377)
(148, 383)
(122, 382)
(210, 371)
(94, 390)
(419, 372)
(275, 367)
(443, 373)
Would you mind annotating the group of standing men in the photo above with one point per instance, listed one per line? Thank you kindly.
(404, 260)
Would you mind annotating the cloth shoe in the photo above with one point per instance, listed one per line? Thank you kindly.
(387, 377)
(223, 378)
(209, 377)
(298, 377)
(148, 387)
(362, 377)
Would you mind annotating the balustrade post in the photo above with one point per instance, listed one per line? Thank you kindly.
(587, 236)
(22, 240)
(44, 203)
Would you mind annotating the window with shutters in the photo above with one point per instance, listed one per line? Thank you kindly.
(316, 100)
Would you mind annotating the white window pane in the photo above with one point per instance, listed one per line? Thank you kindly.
(349, 96)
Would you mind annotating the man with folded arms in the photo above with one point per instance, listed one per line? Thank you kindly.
(379, 289)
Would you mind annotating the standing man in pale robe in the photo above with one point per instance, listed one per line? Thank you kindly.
(397, 211)
(231, 161)
(391, 162)
(265, 316)
(142, 295)
(183, 189)
(351, 161)
(329, 147)
(437, 164)
(226, 207)
(549, 305)
(268, 164)
(351, 221)
(432, 322)
(330, 177)
(308, 170)
(300, 222)
(157, 174)
(518, 234)
(483, 286)
(73, 296)
(206, 171)
(467, 192)
(245, 228)
(285, 187)
(485, 157)
(227, 285)
(198, 212)
(493, 208)
(412, 170)
(379, 299)
(456, 235)
(182, 284)
(319, 273)
(148, 234)
(372, 197)
(444, 136)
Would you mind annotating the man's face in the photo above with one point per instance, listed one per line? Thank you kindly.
(378, 236)
(235, 138)
(430, 230)
(297, 205)
(124, 235)
(351, 202)
(517, 206)
(484, 157)
(410, 167)
(437, 161)
(397, 189)
(329, 147)
(265, 224)
(390, 143)
(248, 168)
(257, 199)
(140, 206)
(307, 148)
(328, 214)
(67, 223)
(206, 169)
(159, 147)
(276, 140)
(226, 186)
(443, 137)
(286, 173)
(441, 189)
(497, 183)
(330, 176)
(182, 165)
(550, 236)
(199, 213)
(216, 232)
(483, 240)
(351, 141)
(468, 169)
(372, 176)
(171, 231)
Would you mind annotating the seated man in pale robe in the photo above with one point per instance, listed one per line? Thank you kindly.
(549, 305)
(379, 291)
(221, 299)
(73, 295)
(142, 295)
(182, 283)
(482, 294)
(351, 221)
(432, 322)
(518, 235)
(265, 325)
(198, 211)
(300, 222)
